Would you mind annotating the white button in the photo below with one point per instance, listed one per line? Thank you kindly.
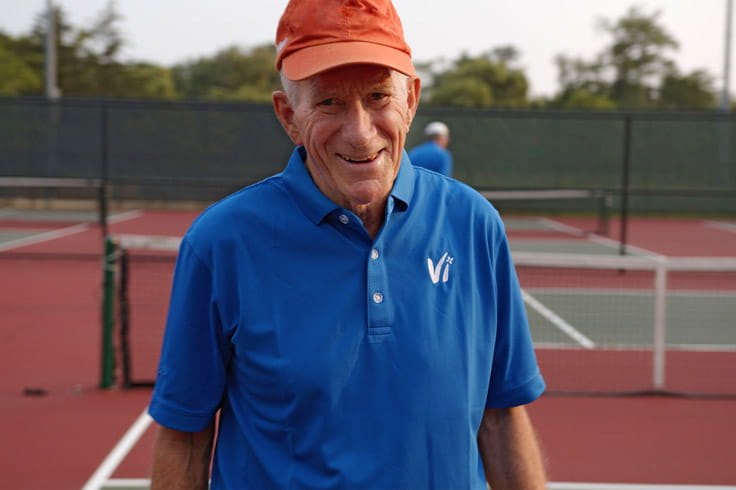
(377, 298)
(344, 219)
(374, 253)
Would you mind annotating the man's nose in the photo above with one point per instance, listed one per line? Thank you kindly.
(358, 126)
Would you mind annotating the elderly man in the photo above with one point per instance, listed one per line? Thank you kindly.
(355, 321)
(433, 153)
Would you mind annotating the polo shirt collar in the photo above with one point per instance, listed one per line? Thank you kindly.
(316, 206)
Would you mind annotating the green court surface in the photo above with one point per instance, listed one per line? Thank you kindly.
(526, 223)
(694, 319)
(8, 235)
(50, 215)
(562, 245)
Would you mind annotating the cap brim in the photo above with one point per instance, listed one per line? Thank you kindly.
(310, 61)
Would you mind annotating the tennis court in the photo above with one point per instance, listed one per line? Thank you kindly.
(595, 329)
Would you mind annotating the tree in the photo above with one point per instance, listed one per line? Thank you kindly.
(88, 61)
(691, 92)
(232, 73)
(491, 79)
(462, 92)
(17, 76)
(583, 85)
(638, 57)
(634, 71)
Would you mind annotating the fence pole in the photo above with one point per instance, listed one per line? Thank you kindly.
(104, 170)
(659, 342)
(625, 167)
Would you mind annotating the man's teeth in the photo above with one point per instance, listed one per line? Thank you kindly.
(356, 160)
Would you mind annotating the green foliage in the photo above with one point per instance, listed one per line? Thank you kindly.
(232, 73)
(88, 61)
(581, 99)
(692, 92)
(487, 80)
(634, 71)
(462, 92)
(17, 76)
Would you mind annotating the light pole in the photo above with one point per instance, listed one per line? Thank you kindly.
(725, 96)
(52, 89)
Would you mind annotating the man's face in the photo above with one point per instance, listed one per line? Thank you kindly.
(353, 122)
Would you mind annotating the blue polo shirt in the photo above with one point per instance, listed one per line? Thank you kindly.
(432, 156)
(339, 361)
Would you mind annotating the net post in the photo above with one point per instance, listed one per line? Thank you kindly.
(603, 214)
(107, 373)
(124, 313)
(660, 320)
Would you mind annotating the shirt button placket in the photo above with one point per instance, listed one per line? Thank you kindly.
(379, 309)
(377, 295)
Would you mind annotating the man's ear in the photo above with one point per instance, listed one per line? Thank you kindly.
(413, 90)
(285, 114)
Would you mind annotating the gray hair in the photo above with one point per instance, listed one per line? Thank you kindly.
(289, 87)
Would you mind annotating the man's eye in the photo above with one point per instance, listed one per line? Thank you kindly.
(327, 102)
(378, 95)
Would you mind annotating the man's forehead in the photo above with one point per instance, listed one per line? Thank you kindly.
(356, 75)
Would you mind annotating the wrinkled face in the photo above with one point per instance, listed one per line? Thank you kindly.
(353, 122)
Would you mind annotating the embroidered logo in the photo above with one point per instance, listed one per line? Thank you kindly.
(281, 45)
(436, 270)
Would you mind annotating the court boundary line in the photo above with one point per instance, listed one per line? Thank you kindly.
(145, 483)
(102, 474)
(557, 320)
(596, 238)
(117, 218)
(720, 225)
(632, 486)
(646, 292)
(47, 236)
(700, 348)
(44, 237)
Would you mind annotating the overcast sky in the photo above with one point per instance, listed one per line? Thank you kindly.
(171, 31)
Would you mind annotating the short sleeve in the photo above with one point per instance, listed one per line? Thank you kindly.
(515, 376)
(192, 368)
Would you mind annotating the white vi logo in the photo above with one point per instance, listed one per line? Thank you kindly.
(434, 270)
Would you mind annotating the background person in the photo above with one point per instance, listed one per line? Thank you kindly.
(343, 342)
(433, 153)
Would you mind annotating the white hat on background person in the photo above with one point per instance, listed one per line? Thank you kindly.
(436, 128)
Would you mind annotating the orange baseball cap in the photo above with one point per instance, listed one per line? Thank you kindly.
(317, 35)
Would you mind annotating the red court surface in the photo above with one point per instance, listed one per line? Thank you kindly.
(57, 427)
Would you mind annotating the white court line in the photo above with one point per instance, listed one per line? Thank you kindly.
(63, 232)
(119, 452)
(557, 320)
(145, 483)
(595, 238)
(632, 486)
(44, 237)
(128, 483)
(117, 218)
(722, 225)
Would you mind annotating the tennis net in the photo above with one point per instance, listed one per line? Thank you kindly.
(53, 200)
(632, 324)
(593, 202)
(139, 271)
(600, 324)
